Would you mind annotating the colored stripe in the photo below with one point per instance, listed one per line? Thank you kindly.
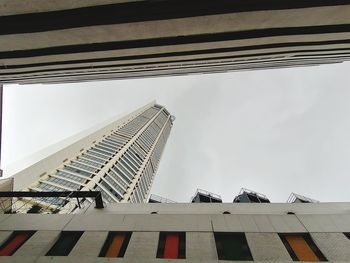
(143, 11)
(115, 246)
(14, 244)
(94, 76)
(180, 40)
(171, 249)
(301, 249)
(172, 54)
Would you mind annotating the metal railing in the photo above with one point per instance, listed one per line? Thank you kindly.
(293, 197)
(160, 199)
(204, 192)
(260, 195)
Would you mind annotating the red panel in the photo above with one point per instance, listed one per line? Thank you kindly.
(171, 249)
(15, 243)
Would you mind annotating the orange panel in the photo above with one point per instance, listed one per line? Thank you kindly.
(116, 244)
(301, 248)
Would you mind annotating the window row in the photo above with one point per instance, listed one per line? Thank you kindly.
(172, 245)
(131, 128)
(143, 185)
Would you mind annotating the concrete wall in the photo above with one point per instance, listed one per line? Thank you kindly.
(261, 231)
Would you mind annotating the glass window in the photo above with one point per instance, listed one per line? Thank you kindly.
(71, 177)
(98, 155)
(108, 146)
(95, 159)
(111, 190)
(89, 162)
(106, 198)
(114, 184)
(106, 149)
(172, 245)
(232, 246)
(101, 152)
(83, 167)
(14, 242)
(136, 154)
(77, 171)
(65, 243)
(125, 171)
(131, 162)
(301, 247)
(118, 178)
(115, 244)
(117, 140)
(63, 183)
(121, 174)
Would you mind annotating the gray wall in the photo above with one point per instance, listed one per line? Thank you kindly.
(261, 230)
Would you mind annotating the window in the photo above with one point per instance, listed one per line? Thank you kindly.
(65, 243)
(76, 170)
(105, 196)
(111, 190)
(14, 242)
(115, 245)
(232, 246)
(171, 245)
(301, 247)
(64, 183)
(76, 178)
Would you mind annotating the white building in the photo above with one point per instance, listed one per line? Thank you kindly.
(119, 160)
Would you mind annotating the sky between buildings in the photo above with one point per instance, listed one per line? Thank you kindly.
(272, 131)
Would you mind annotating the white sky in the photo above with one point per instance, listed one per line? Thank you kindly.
(272, 131)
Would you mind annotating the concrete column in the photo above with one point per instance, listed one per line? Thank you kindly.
(267, 246)
(142, 246)
(38, 244)
(334, 246)
(89, 244)
(200, 246)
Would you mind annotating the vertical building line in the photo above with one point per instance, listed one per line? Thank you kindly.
(1, 91)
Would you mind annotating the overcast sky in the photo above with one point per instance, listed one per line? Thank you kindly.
(272, 131)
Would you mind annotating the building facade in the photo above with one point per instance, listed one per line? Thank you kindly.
(67, 41)
(197, 232)
(119, 160)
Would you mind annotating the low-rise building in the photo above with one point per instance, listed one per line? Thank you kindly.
(178, 232)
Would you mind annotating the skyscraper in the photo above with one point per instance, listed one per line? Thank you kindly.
(64, 41)
(119, 160)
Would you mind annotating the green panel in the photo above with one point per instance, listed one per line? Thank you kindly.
(65, 243)
(232, 246)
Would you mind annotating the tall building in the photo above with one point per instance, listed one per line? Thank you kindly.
(65, 41)
(119, 160)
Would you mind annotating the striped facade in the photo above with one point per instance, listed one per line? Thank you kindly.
(67, 41)
(121, 165)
